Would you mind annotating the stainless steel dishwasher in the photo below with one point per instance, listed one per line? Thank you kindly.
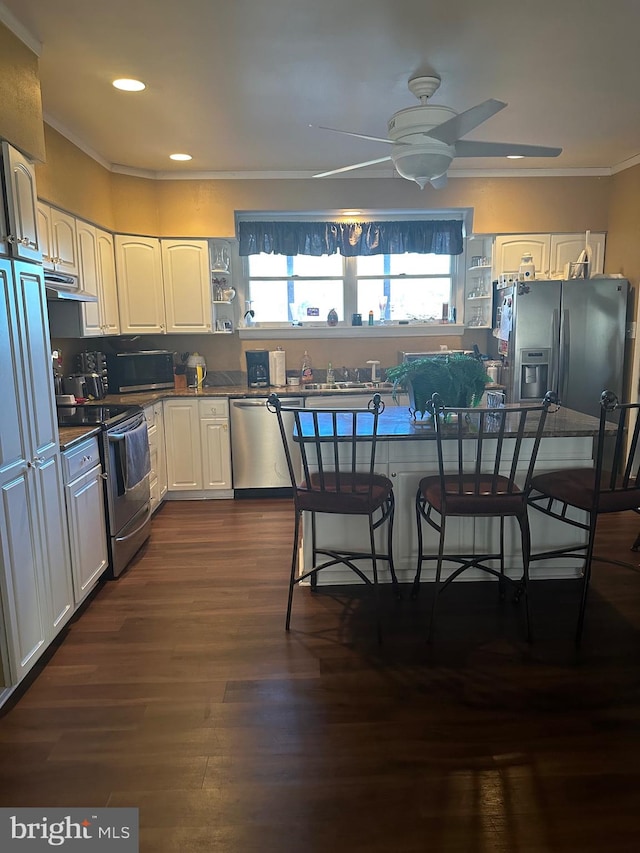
(258, 457)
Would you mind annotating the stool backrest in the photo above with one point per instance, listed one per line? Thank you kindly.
(334, 444)
(617, 468)
(479, 448)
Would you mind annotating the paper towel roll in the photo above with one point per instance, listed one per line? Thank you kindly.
(277, 368)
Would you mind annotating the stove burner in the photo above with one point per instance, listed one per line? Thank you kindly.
(94, 415)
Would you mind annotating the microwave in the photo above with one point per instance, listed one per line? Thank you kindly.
(148, 370)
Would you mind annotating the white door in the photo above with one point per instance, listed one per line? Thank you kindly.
(182, 436)
(88, 260)
(36, 353)
(87, 531)
(216, 454)
(161, 469)
(23, 593)
(44, 235)
(140, 286)
(187, 288)
(20, 187)
(509, 249)
(566, 248)
(65, 242)
(52, 527)
(109, 314)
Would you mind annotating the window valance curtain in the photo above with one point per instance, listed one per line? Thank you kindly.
(439, 237)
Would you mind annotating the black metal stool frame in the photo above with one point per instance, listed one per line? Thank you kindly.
(331, 484)
(595, 491)
(480, 492)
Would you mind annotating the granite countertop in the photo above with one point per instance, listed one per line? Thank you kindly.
(395, 422)
(73, 435)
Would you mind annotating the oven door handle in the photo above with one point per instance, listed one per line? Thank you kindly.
(120, 436)
(137, 530)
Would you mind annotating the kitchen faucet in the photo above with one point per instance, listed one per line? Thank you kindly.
(374, 370)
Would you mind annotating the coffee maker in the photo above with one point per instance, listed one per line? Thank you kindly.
(257, 368)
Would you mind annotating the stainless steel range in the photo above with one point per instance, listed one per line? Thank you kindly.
(124, 451)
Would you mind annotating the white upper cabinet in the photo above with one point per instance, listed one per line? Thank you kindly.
(163, 285)
(108, 286)
(98, 276)
(19, 236)
(566, 248)
(187, 288)
(59, 239)
(509, 249)
(550, 252)
(140, 286)
(88, 260)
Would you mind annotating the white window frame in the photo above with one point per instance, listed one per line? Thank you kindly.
(319, 327)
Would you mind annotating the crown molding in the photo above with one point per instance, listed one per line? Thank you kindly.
(360, 174)
(26, 37)
(626, 164)
(75, 140)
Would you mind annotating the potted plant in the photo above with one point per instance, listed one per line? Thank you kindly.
(458, 379)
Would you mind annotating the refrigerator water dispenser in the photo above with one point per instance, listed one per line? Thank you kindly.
(534, 373)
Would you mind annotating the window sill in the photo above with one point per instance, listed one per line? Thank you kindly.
(413, 330)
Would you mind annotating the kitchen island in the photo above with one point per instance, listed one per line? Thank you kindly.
(407, 451)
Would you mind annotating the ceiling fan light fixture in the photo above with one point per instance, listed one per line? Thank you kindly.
(420, 166)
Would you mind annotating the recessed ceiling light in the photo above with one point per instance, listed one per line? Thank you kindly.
(350, 212)
(515, 156)
(180, 157)
(129, 85)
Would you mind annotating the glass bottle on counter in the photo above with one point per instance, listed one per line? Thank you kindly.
(306, 369)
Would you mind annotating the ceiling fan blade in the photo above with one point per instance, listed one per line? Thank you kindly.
(450, 131)
(350, 133)
(349, 168)
(503, 149)
(439, 183)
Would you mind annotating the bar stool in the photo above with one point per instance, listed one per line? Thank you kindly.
(480, 474)
(612, 485)
(338, 454)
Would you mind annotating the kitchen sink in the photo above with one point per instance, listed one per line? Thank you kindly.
(348, 386)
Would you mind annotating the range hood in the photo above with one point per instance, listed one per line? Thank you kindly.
(60, 286)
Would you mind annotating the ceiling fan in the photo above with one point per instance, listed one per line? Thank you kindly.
(426, 138)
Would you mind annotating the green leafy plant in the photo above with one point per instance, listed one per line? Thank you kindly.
(458, 379)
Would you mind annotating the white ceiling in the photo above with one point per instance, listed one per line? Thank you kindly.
(236, 83)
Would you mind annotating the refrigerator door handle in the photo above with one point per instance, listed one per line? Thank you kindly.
(555, 352)
(564, 356)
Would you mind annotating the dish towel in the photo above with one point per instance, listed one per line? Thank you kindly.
(135, 460)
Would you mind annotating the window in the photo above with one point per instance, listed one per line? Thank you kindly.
(303, 289)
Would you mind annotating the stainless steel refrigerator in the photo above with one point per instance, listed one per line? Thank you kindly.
(565, 336)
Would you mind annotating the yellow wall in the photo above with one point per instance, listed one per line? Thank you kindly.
(20, 101)
(74, 181)
(201, 208)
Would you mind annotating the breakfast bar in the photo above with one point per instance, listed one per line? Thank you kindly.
(406, 452)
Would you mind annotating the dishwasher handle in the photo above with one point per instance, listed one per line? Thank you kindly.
(252, 404)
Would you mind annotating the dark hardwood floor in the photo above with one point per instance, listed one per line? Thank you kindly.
(177, 690)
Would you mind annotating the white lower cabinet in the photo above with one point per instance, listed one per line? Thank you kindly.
(198, 448)
(84, 494)
(154, 415)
